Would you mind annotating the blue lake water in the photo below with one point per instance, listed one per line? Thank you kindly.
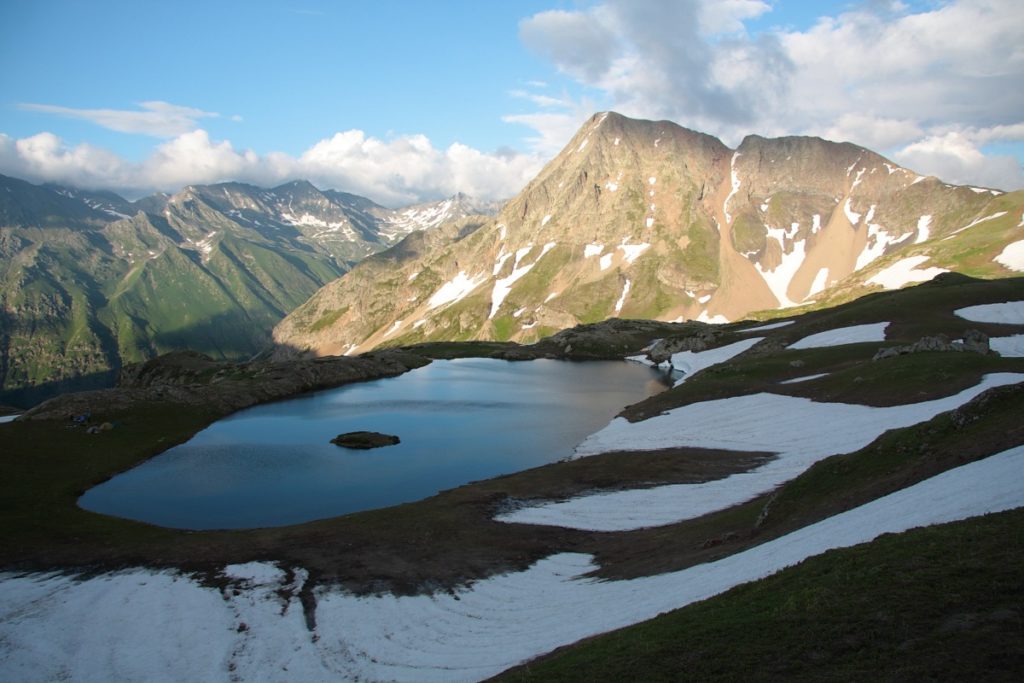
(459, 421)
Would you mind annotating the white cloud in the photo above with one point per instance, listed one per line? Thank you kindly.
(159, 119)
(880, 75)
(954, 158)
(396, 172)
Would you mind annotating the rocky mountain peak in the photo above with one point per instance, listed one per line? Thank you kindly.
(647, 219)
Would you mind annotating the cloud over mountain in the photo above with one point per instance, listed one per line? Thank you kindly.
(403, 170)
(880, 75)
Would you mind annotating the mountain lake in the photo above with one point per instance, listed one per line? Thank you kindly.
(458, 421)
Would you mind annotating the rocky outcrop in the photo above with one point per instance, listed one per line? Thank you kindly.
(972, 341)
(222, 388)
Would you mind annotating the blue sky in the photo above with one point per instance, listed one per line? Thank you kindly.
(409, 100)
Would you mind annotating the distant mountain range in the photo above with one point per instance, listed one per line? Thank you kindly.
(90, 280)
(644, 219)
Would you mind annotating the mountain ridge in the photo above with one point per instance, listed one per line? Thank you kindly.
(647, 219)
(91, 281)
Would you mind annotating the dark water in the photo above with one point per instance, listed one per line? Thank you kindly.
(459, 421)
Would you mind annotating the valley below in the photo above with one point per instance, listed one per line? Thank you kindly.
(783, 438)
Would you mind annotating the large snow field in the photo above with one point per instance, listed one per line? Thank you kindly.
(159, 626)
(855, 334)
(800, 431)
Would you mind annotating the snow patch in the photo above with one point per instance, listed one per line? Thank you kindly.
(904, 272)
(878, 240)
(779, 278)
(1007, 313)
(499, 262)
(851, 215)
(769, 326)
(616, 143)
(394, 328)
(550, 296)
(414, 276)
(815, 223)
(692, 362)
(998, 214)
(923, 229)
(606, 260)
(502, 231)
(807, 378)
(503, 286)
(255, 573)
(610, 186)
(819, 284)
(631, 252)
(622, 299)
(1010, 347)
(652, 180)
(455, 289)
(649, 222)
(1012, 256)
(735, 187)
(856, 181)
(704, 299)
(592, 250)
(855, 334)
(544, 221)
(717, 319)
(516, 314)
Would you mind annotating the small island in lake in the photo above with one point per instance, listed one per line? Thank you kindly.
(364, 440)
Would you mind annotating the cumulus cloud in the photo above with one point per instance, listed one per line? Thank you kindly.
(954, 158)
(396, 172)
(156, 118)
(918, 83)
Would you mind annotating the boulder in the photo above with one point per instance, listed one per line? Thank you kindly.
(364, 440)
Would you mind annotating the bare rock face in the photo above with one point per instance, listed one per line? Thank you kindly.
(365, 440)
